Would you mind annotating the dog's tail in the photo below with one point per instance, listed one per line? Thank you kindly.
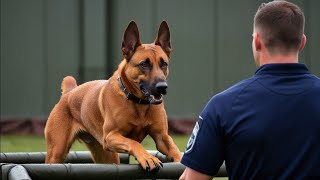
(68, 83)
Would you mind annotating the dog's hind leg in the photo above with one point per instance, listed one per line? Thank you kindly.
(99, 155)
(59, 133)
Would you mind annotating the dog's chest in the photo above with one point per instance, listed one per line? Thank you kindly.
(138, 129)
(139, 121)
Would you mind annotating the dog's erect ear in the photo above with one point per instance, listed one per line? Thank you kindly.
(130, 41)
(163, 38)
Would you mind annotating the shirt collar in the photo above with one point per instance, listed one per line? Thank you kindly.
(285, 68)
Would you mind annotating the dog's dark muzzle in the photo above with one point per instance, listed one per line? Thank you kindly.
(161, 87)
(154, 91)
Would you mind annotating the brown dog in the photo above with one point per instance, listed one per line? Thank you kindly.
(115, 115)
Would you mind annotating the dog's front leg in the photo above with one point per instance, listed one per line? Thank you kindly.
(114, 141)
(166, 146)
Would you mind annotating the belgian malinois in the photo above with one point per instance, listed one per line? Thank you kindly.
(115, 115)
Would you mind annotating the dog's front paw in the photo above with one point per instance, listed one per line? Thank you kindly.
(150, 163)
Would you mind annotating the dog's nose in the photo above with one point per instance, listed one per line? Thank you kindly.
(162, 87)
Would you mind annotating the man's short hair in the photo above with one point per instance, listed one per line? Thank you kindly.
(281, 25)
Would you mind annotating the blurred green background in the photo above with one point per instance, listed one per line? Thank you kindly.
(44, 40)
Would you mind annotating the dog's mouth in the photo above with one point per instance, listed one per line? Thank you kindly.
(152, 98)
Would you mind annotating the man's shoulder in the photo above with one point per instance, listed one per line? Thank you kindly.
(234, 90)
(221, 101)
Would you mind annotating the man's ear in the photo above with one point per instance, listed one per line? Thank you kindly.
(257, 41)
(163, 38)
(303, 42)
(130, 41)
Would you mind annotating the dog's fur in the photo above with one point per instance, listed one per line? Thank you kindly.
(99, 114)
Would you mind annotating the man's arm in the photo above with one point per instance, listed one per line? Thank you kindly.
(190, 174)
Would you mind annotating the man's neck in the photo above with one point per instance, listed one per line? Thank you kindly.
(278, 58)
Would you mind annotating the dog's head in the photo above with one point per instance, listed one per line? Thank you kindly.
(146, 65)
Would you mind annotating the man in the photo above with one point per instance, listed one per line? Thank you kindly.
(267, 126)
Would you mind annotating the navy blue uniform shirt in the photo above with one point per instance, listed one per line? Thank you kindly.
(264, 127)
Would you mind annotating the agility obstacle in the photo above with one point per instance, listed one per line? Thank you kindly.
(79, 165)
(72, 157)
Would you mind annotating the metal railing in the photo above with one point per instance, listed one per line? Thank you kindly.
(79, 165)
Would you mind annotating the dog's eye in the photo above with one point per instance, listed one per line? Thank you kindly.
(145, 64)
(163, 64)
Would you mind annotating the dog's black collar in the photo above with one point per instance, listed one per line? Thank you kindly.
(131, 96)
